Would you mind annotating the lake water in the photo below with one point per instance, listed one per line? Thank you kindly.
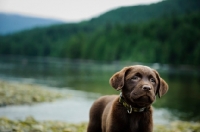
(87, 80)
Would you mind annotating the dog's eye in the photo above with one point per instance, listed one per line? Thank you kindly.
(152, 80)
(135, 78)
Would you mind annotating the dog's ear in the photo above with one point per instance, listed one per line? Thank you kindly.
(162, 86)
(117, 80)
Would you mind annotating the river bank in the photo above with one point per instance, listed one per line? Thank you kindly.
(32, 125)
(31, 107)
(15, 93)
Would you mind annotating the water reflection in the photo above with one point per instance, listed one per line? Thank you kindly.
(183, 97)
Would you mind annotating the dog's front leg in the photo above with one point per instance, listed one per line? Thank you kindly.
(115, 129)
(146, 125)
(116, 124)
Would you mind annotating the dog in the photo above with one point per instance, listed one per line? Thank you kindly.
(131, 111)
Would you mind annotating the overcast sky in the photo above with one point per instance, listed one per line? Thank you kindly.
(66, 10)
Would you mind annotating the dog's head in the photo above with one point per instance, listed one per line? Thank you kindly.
(139, 84)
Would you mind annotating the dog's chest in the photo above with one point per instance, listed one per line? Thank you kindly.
(135, 122)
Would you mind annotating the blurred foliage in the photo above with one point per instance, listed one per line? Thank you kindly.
(32, 125)
(170, 36)
(141, 13)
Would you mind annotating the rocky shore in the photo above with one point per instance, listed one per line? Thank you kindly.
(13, 93)
(32, 125)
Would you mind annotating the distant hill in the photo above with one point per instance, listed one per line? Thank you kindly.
(169, 31)
(11, 23)
(142, 13)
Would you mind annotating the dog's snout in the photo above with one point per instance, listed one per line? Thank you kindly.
(146, 88)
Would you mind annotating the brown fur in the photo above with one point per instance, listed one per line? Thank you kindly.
(139, 86)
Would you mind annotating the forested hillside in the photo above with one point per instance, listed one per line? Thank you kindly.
(171, 38)
(143, 13)
(174, 40)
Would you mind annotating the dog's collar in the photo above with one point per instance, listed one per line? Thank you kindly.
(129, 108)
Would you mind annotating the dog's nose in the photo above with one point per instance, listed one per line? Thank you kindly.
(146, 88)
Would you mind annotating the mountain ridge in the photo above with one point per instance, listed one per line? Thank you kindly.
(164, 39)
(142, 13)
(12, 23)
(122, 15)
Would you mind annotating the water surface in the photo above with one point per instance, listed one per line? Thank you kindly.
(182, 99)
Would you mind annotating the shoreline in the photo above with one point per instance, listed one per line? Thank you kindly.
(30, 124)
(17, 93)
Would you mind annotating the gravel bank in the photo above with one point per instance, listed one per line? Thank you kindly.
(32, 125)
(13, 93)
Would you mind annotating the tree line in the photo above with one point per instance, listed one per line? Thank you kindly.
(173, 40)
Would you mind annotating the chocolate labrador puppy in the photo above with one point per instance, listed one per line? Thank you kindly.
(131, 111)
